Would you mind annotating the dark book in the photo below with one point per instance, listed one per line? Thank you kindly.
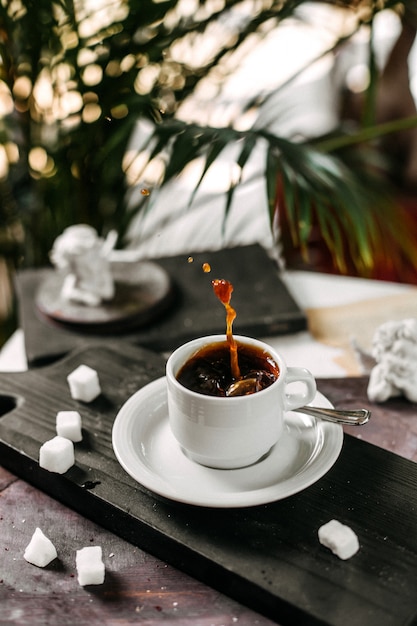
(189, 309)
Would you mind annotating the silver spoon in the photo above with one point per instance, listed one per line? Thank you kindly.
(355, 417)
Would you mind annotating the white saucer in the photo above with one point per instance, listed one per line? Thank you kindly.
(146, 449)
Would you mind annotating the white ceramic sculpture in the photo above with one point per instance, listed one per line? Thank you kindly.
(394, 348)
(84, 258)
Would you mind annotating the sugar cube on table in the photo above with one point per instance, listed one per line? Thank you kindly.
(57, 455)
(40, 551)
(90, 566)
(339, 538)
(84, 383)
(68, 424)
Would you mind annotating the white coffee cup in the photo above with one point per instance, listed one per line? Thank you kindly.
(232, 432)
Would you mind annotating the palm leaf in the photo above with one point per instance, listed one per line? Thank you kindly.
(344, 204)
(217, 146)
(318, 181)
(271, 173)
(249, 142)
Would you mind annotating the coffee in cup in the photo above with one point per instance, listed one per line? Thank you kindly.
(209, 369)
(231, 431)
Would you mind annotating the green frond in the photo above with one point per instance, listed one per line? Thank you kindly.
(357, 216)
(271, 173)
(215, 149)
(321, 182)
(249, 142)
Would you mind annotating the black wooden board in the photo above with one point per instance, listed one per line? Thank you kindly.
(263, 304)
(267, 557)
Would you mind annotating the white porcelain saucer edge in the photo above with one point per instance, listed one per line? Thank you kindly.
(148, 452)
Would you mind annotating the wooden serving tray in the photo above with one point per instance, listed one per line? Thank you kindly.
(267, 557)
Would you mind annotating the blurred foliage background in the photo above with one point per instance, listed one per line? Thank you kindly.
(77, 75)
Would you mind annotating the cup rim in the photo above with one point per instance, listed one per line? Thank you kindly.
(200, 341)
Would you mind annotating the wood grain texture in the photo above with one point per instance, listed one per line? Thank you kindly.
(138, 587)
(266, 557)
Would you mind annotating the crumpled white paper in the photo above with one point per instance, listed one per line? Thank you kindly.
(394, 348)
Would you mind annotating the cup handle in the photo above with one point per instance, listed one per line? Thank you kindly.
(293, 401)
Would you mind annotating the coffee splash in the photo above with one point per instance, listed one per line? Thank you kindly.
(217, 367)
(223, 290)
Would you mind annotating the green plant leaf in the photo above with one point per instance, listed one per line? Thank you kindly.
(271, 179)
(215, 149)
(249, 142)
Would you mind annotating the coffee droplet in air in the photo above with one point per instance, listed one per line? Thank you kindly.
(206, 268)
(190, 259)
(145, 192)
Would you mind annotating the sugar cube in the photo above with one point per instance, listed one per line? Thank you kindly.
(40, 550)
(90, 566)
(57, 455)
(84, 383)
(68, 424)
(339, 538)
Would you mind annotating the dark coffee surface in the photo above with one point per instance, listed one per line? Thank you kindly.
(209, 370)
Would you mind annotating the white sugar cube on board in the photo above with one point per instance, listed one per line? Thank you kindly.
(84, 383)
(57, 455)
(40, 550)
(90, 566)
(339, 538)
(68, 424)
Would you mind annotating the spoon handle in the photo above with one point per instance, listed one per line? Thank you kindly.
(339, 416)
